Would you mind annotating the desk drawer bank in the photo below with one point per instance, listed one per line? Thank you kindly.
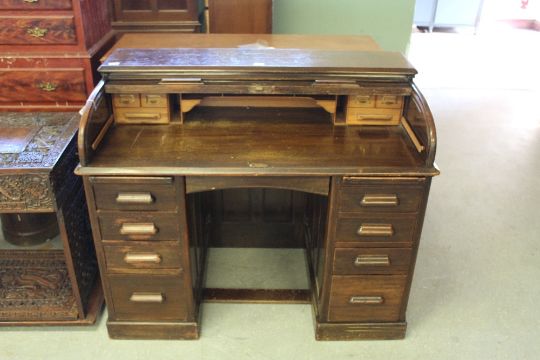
(166, 128)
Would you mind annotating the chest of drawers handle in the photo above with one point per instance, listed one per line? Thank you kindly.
(136, 258)
(134, 198)
(376, 230)
(31, 1)
(146, 297)
(372, 260)
(366, 300)
(37, 31)
(380, 200)
(47, 86)
(138, 229)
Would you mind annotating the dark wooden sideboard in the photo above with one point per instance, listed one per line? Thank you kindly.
(168, 129)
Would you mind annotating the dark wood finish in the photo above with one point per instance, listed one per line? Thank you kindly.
(112, 195)
(370, 196)
(47, 287)
(126, 307)
(153, 330)
(360, 331)
(359, 261)
(289, 142)
(353, 196)
(313, 185)
(114, 226)
(260, 296)
(378, 298)
(142, 256)
(400, 230)
(155, 15)
(239, 17)
(278, 63)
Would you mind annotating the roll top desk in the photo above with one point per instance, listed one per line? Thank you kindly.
(167, 128)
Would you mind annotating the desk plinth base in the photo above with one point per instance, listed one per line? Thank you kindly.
(133, 330)
(360, 331)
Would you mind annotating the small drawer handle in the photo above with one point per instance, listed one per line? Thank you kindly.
(37, 32)
(153, 99)
(376, 230)
(147, 297)
(143, 116)
(47, 86)
(372, 260)
(366, 300)
(30, 1)
(135, 258)
(374, 117)
(138, 229)
(380, 200)
(144, 198)
(126, 99)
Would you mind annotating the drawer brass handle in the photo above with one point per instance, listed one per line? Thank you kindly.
(376, 230)
(374, 117)
(47, 86)
(30, 1)
(372, 260)
(143, 116)
(127, 99)
(380, 200)
(366, 300)
(135, 258)
(37, 31)
(138, 229)
(147, 297)
(153, 99)
(134, 198)
(362, 98)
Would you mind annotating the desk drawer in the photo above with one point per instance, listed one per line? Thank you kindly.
(358, 261)
(136, 196)
(145, 256)
(373, 116)
(35, 5)
(152, 297)
(366, 298)
(38, 30)
(139, 226)
(376, 230)
(389, 197)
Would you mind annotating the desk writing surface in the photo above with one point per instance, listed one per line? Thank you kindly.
(265, 142)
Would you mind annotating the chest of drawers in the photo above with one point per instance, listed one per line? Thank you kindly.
(49, 52)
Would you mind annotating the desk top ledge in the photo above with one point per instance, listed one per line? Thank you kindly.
(256, 60)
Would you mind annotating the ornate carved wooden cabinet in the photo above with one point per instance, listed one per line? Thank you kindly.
(168, 129)
(57, 282)
(49, 50)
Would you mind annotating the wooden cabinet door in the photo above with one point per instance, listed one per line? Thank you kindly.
(155, 10)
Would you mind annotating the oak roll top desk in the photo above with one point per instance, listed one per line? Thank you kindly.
(167, 129)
